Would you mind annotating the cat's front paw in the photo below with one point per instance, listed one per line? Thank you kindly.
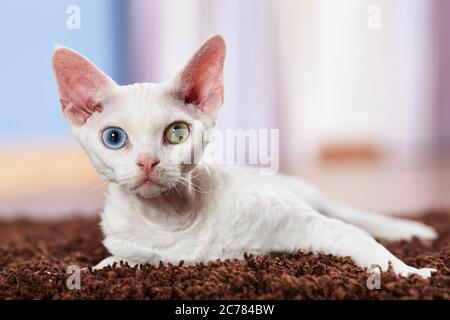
(399, 267)
(105, 262)
(406, 270)
(407, 229)
(110, 261)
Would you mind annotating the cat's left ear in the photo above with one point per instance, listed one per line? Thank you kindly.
(201, 81)
(83, 88)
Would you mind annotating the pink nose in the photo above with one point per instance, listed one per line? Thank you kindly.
(147, 163)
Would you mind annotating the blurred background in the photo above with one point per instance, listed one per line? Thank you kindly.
(358, 89)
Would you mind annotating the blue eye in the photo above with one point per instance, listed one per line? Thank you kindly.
(114, 138)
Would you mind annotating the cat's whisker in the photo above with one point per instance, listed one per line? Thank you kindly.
(98, 188)
(176, 189)
(191, 181)
(99, 196)
(197, 188)
(189, 184)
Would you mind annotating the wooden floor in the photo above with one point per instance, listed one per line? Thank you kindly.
(56, 182)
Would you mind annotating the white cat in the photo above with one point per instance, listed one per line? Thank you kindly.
(160, 207)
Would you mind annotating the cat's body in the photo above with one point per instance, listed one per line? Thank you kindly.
(162, 207)
(240, 211)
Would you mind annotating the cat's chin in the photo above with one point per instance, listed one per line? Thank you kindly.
(148, 192)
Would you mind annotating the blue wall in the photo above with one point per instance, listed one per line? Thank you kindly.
(29, 105)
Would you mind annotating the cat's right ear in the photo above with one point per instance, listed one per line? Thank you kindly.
(82, 86)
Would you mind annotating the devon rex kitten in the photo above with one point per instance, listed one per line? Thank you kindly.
(160, 207)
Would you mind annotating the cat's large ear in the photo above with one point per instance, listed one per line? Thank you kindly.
(82, 86)
(201, 81)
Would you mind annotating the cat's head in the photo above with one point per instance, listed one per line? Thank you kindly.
(144, 137)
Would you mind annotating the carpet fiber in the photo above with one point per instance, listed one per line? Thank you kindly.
(34, 257)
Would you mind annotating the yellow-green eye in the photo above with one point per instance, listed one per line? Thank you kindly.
(177, 132)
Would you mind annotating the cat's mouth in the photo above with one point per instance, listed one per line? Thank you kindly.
(147, 183)
(147, 187)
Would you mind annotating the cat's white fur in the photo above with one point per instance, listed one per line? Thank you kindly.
(203, 212)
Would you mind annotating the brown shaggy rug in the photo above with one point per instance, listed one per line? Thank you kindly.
(34, 257)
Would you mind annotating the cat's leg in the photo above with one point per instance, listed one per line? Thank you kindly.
(311, 231)
(132, 252)
(378, 225)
